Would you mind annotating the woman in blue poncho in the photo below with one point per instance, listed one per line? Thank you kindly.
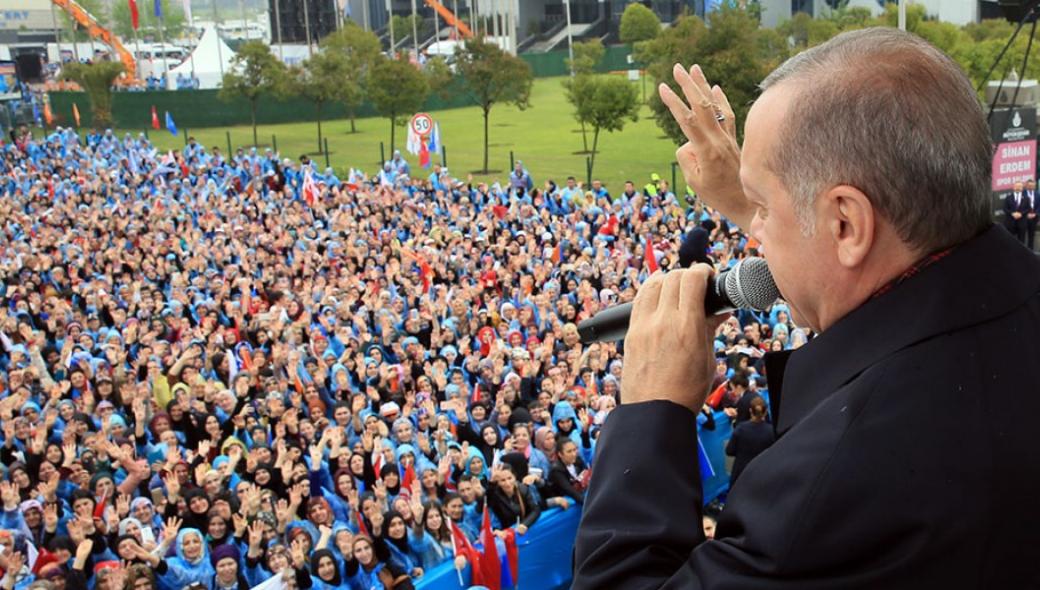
(375, 571)
(190, 565)
(403, 551)
(433, 535)
(327, 573)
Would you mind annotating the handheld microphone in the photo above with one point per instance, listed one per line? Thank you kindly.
(748, 285)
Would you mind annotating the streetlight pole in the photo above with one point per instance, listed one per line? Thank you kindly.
(495, 12)
(570, 44)
(390, 16)
(902, 15)
(415, 32)
(307, 25)
(455, 11)
(57, 32)
(278, 29)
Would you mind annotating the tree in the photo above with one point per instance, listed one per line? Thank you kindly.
(587, 55)
(361, 49)
(255, 71)
(440, 76)
(397, 89)
(610, 102)
(320, 79)
(639, 23)
(96, 79)
(732, 51)
(403, 27)
(576, 92)
(173, 19)
(492, 76)
(804, 31)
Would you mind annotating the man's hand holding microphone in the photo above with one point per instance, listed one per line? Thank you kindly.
(669, 353)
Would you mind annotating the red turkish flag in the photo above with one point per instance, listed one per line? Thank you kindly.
(409, 478)
(155, 118)
(490, 563)
(513, 555)
(133, 13)
(466, 549)
(651, 260)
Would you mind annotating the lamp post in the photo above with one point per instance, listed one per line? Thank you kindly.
(570, 44)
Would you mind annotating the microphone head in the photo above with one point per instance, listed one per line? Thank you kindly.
(750, 285)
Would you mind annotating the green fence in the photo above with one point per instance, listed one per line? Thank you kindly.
(202, 108)
(553, 63)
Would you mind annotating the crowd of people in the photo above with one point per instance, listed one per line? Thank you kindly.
(219, 367)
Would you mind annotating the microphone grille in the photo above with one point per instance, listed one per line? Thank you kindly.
(750, 285)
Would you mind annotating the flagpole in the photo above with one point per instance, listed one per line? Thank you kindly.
(191, 54)
(162, 44)
(278, 29)
(242, 7)
(455, 11)
(436, 28)
(390, 16)
(216, 30)
(137, 53)
(307, 25)
(455, 550)
(57, 37)
(415, 32)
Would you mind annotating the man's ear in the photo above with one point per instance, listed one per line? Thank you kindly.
(849, 218)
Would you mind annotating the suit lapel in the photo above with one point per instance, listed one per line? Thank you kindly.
(980, 279)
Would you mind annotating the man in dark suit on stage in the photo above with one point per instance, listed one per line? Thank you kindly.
(1016, 208)
(906, 454)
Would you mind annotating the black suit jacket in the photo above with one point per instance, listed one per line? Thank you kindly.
(1010, 207)
(907, 454)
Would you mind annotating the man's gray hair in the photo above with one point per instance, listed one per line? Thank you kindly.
(886, 112)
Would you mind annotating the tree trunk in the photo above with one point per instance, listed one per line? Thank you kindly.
(487, 111)
(584, 138)
(319, 128)
(353, 129)
(252, 117)
(595, 142)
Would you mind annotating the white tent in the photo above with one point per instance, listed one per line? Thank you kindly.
(210, 59)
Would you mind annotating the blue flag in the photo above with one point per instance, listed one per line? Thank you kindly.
(158, 8)
(435, 139)
(170, 125)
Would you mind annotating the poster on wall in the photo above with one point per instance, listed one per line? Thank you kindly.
(8, 80)
(1014, 154)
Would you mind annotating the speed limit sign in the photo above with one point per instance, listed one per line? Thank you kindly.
(422, 124)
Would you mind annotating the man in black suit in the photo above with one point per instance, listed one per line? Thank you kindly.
(1016, 208)
(906, 454)
(1031, 213)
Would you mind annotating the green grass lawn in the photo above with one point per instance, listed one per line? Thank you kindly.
(545, 137)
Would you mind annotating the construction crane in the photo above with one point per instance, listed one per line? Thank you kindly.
(450, 18)
(96, 31)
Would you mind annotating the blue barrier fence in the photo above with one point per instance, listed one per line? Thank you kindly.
(545, 556)
(545, 551)
(714, 442)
